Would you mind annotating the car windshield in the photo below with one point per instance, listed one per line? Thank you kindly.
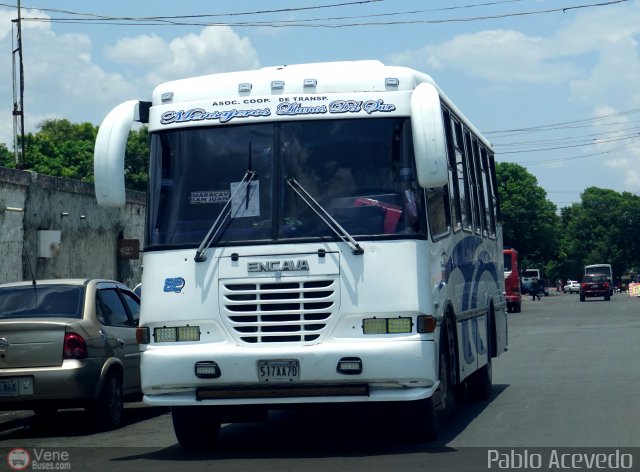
(36, 301)
(361, 171)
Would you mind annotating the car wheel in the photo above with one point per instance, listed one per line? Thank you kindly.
(108, 407)
(197, 428)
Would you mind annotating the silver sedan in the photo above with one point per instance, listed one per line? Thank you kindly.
(69, 343)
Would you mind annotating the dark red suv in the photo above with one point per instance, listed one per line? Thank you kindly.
(595, 285)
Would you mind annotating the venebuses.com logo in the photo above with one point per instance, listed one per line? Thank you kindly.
(38, 459)
(18, 459)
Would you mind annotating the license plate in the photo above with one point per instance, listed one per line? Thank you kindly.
(8, 388)
(15, 386)
(278, 371)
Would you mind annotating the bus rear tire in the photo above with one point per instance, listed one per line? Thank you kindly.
(480, 382)
(197, 428)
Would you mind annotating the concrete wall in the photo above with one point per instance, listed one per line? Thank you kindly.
(37, 211)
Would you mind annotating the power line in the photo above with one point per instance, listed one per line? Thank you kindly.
(282, 10)
(562, 124)
(635, 136)
(559, 140)
(583, 156)
(258, 12)
(170, 21)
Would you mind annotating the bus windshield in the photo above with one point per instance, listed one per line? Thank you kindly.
(360, 170)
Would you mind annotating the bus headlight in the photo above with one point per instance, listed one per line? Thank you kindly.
(177, 333)
(387, 325)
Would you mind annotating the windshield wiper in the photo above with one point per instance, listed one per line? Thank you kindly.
(224, 214)
(324, 215)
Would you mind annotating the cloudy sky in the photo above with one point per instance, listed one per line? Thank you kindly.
(554, 84)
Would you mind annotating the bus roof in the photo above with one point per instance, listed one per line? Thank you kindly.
(303, 79)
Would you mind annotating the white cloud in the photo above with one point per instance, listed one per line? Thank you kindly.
(214, 49)
(503, 56)
(590, 62)
(506, 56)
(63, 79)
(498, 56)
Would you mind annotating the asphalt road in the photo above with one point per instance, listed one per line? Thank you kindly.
(569, 380)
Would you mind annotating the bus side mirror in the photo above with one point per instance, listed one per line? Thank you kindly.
(108, 154)
(429, 143)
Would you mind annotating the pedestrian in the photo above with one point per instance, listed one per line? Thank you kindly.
(535, 289)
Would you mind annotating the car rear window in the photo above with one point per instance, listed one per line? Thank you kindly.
(36, 301)
(595, 278)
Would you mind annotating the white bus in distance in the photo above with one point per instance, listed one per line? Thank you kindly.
(317, 233)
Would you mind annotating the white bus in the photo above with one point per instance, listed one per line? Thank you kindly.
(319, 233)
(601, 269)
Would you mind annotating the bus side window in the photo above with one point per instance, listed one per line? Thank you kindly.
(438, 211)
(462, 172)
(453, 188)
(470, 146)
(489, 198)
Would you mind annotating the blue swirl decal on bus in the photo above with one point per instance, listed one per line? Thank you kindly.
(173, 285)
(472, 265)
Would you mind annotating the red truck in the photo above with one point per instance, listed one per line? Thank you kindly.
(512, 287)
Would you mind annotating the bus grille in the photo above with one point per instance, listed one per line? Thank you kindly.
(283, 312)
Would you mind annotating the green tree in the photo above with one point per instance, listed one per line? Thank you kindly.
(6, 157)
(530, 223)
(61, 149)
(64, 149)
(602, 228)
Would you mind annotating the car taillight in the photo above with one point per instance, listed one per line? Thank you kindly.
(75, 346)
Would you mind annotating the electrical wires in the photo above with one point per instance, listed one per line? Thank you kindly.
(205, 19)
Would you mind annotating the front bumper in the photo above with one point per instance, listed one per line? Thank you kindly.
(391, 371)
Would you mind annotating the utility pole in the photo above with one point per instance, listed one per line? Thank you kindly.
(18, 94)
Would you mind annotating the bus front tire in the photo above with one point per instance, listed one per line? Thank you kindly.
(197, 428)
(425, 424)
(446, 363)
